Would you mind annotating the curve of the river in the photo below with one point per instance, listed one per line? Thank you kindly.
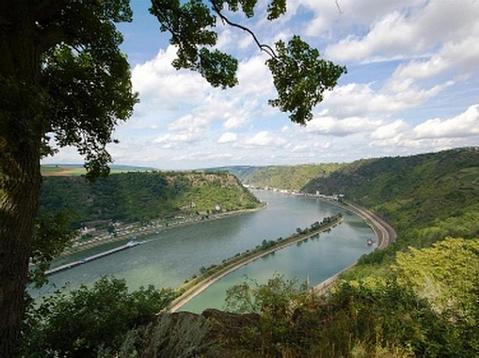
(170, 257)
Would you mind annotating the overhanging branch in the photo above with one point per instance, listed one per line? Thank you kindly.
(263, 47)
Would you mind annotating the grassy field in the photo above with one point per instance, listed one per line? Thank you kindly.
(78, 170)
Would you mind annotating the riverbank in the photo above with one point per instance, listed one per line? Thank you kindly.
(194, 287)
(137, 230)
(383, 230)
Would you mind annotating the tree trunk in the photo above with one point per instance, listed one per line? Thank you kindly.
(19, 190)
(21, 122)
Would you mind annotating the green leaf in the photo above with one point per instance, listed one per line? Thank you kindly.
(300, 78)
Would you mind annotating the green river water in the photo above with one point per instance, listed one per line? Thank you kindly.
(168, 258)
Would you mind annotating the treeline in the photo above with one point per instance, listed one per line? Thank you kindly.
(265, 245)
(426, 197)
(136, 196)
(398, 302)
(289, 177)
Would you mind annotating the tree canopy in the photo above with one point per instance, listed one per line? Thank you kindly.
(299, 74)
(64, 81)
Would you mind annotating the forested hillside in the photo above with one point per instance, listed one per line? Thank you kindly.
(426, 197)
(291, 177)
(142, 196)
(398, 302)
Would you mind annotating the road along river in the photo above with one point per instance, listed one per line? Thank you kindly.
(172, 256)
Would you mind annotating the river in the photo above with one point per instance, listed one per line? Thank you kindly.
(170, 257)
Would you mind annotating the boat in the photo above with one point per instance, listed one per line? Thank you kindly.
(370, 242)
(132, 243)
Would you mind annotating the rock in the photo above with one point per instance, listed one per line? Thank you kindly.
(185, 334)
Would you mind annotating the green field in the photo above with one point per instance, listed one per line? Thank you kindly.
(78, 170)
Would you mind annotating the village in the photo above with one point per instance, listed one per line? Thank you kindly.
(317, 194)
(92, 235)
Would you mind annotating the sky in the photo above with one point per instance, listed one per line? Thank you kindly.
(412, 86)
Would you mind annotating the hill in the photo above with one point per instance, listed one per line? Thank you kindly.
(292, 177)
(78, 169)
(137, 196)
(240, 171)
(426, 197)
(398, 302)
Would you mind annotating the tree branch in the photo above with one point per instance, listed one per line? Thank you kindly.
(339, 7)
(51, 36)
(47, 9)
(263, 47)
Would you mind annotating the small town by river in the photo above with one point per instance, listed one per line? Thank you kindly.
(167, 259)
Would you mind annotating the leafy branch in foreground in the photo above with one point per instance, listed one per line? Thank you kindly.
(87, 320)
(300, 76)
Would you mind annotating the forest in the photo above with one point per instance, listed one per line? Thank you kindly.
(135, 196)
(288, 177)
(416, 298)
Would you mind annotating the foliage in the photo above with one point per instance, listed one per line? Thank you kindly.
(52, 235)
(63, 82)
(446, 274)
(142, 196)
(86, 320)
(64, 77)
(292, 177)
(276, 303)
(273, 298)
(408, 300)
(365, 319)
(84, 88)
(299, 74)
(426, 197)
(301, 77)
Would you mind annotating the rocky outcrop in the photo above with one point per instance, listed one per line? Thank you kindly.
(185, 335)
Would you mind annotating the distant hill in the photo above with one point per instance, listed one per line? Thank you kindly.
(78, 169)
(427, 197)
(240, 171)
(136, 196)
(292, 177)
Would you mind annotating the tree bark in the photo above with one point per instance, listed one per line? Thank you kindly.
(19, 190)
(21, 122)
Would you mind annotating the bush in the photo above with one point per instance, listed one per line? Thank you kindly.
(78, 324)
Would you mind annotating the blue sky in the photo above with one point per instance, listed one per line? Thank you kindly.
(411, 87)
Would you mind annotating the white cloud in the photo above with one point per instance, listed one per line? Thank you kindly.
(357, 99)
(463, 125)
(462, 55)
(227, 137)
(341, 127)
(235, 121)
(170, 140)
(332, 16)
(389, 130)
(189, 123)
(432, 134)
(254, 77)
(264, 138)
(409, 33)
(435, 45)
(300, 148)
(163, 87)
